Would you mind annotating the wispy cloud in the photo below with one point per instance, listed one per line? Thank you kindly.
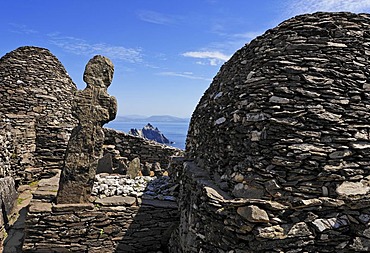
(188, 75)
(155, 17)
(21, 29)
(82, 47)
(247, 35)
(214, 57)
(309, 6)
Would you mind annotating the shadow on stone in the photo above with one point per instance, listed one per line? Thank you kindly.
(14, 241)
(142, 221)
(151, 227)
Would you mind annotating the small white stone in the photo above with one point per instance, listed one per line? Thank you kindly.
(250, 75)
(220, 121)
(366, 86)
(333, 44)
(218, 95)
(352, 189)
(279, 100)
(255, 136)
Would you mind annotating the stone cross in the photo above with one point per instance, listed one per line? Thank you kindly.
(93, 107)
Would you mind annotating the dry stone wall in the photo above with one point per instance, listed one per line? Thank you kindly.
(281, 144)
(130, 147)
(294, 103)
(8, 193)
(118, 223)
(35, 92)
(6, 150)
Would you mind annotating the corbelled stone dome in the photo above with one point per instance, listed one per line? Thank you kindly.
(288, 115)
(35, 95)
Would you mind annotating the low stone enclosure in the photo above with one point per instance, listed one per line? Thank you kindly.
(118, 223)
(276, 160)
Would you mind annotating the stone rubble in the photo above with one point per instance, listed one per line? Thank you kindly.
(147, 187)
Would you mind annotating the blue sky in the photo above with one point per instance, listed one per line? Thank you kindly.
(165, 52)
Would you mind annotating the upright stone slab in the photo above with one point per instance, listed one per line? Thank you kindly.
(93, 107)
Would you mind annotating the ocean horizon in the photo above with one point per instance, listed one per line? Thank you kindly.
(174, 131)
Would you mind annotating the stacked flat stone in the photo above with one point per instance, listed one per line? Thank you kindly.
(35, 92)
(110, 224)
(8, 193)
(131, 147)
(284, 126)
(6, 150)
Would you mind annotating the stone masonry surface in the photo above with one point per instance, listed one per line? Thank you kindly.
(110, 224)
(277, 157)
(280, 143)
(131, 147)
(8, 193)
(36, 123)
(35, 92)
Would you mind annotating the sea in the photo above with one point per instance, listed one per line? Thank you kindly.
(174, 131)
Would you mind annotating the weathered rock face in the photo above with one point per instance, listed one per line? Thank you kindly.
(151, 133)
(281, 144)
(35, 92)
(93, 107)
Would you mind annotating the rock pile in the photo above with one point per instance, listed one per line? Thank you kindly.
(147, 187)
(35, 94)
(284, 126)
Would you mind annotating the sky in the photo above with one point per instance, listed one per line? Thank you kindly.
(165, 52)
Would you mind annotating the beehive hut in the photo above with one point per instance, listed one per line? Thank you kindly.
(282, 136)
(35, 92)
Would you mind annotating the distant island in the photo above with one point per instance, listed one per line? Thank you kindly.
(154, 118)
(151, 133)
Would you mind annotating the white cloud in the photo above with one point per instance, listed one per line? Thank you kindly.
(309, 6)
(188, 75)
(82, 47)
(154, 17)
(214, 57)
(22, 29)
